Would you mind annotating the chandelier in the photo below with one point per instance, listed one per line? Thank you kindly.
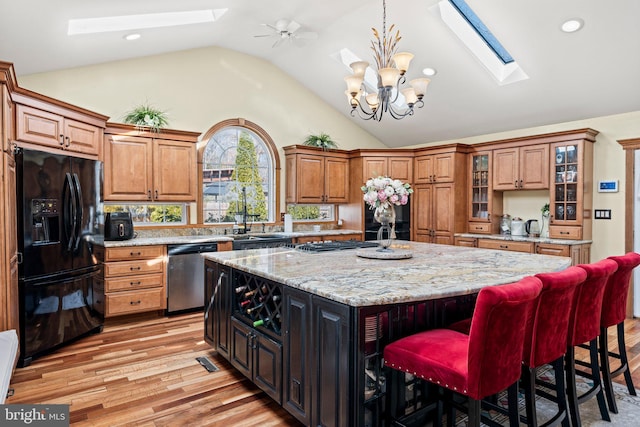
(373, 103)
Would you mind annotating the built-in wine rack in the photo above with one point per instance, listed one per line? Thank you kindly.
(259, 301)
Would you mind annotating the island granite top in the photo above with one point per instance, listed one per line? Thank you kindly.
(434, 271)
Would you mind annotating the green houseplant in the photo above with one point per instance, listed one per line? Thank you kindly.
(146, 116)
(321, 140)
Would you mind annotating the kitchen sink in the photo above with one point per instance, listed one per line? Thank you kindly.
(255, 236)
(257, 241)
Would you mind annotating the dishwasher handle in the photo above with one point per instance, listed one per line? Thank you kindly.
(213, 296)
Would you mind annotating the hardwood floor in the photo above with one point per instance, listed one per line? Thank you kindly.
(145, 373)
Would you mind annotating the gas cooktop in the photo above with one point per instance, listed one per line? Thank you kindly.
(336, 245)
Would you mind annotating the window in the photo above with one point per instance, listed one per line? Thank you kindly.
(151, 214)
(311, 212)
(239, 173)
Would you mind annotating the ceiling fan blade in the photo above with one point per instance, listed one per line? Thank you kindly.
(308, 35)
(279, 41)
(264, 35)
(274, 28)
(293, 27)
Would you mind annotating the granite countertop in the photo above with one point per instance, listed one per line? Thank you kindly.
(523, 239)
(434, 271)
(209, 238)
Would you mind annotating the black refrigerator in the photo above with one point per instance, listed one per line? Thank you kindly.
(59, 200)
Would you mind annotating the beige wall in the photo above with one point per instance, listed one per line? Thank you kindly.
(199, 88)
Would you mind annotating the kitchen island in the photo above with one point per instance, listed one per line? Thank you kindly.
(309, 328)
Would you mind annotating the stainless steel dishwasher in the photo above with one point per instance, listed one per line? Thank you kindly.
(185, 279)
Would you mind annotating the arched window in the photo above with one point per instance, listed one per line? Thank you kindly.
(240, 174)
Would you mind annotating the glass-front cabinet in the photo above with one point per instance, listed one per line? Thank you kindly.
(571, 193)
(482, 199)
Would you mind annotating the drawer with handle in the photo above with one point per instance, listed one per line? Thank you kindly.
(134, 302)
(134, 282)
(479, 227)
(126, 253)
(132, 267)
(506, 245)
(565, 232)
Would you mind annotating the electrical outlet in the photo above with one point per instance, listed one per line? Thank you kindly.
(602, 213)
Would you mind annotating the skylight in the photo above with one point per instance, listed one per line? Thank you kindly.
(468, 27)
(137, 22)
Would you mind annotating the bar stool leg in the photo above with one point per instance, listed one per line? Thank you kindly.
(597, 383)
(529, 385)
(572, 393)
(622, 349)
(606, 371)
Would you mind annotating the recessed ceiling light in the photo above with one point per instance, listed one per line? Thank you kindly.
(572, 25)
(137, 22)
(429, 71)
(134, 36)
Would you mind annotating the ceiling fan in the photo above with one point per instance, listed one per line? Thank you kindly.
(285, 30)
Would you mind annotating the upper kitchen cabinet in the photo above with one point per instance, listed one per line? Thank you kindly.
(316, 176)
(438, 204)
(485, 205)
(438, 164)
(571, 194)
(50, 125)
(521, 168)
(147, 166)
(396, 164)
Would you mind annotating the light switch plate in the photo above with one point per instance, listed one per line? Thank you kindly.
(602, 213)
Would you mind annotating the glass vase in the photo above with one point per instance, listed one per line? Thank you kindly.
(385, 214)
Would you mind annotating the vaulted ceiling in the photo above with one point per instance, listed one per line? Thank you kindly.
(590, 73)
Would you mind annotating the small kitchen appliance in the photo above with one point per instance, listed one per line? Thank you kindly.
(505, 224)
(517, 227)
(532, 227)
(118, 226)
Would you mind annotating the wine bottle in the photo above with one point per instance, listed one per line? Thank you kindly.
(261, 322)
(252, 309)
(240, 289)
(245, 303)
(250, 293)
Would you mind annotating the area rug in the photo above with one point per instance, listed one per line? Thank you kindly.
(628, 407)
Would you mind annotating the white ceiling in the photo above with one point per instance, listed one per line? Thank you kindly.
(594, 72)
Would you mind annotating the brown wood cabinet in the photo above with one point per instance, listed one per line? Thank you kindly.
(146, 166)
(580, 253)
(55, 131)
(9, 305)
(134, 279)
(521, 168)
(437, 165)
(485, 205)
(316, 176)
(571, 194)
(394, 167)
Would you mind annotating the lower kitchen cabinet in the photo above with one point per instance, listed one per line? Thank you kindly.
(258, 357)
(580, 253)
(327, 237)
(300, 353)
(134, 279)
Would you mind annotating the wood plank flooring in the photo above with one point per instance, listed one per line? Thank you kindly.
(145, 373)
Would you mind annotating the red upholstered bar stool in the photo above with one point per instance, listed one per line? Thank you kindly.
(584, 327)
(546, 341)
(479, 364)
(614, 306)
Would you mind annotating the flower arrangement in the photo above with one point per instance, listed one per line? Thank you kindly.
(384, 191)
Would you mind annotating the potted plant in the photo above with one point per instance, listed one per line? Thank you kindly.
(321, 140)
(144, 116)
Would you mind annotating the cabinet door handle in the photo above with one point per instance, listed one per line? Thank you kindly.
(68, 141)
(135, 253)
(134, 268)
(156, 194)
(62, 140)
(564, 232)
(135, 283)
(504, 246)
(515, 183)
(135, 302)
(149, 194)
(521, 186)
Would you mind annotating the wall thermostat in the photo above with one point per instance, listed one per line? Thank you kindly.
(607, 186)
